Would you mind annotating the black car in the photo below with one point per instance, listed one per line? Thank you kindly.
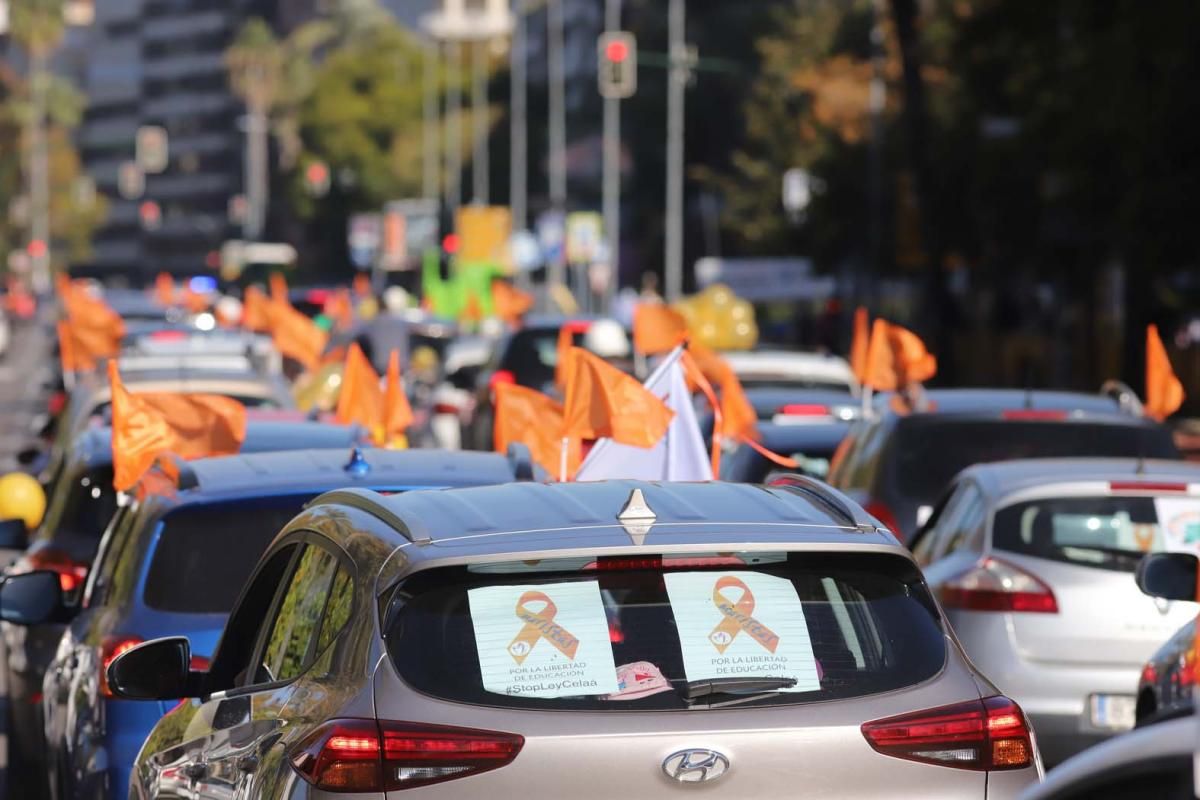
(811, 445)
(897, 463)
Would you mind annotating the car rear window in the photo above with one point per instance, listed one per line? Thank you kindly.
(205, 553)
(929, 452)
(1105, 532)
(631, 634)
(83, 506)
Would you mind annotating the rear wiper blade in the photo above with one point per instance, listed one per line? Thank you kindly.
(707, 688)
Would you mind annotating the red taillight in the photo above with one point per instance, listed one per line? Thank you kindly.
(803, 410)
(71, 574)
(995, 585)
(56, 403)
(577, 327)
(1147, 486)
(110, 648)
(1149, 674)
(989, 734)
(169, 335)
(445, 408)
(884, 514)
(501, 376)
(1034, 415)
(359, 755)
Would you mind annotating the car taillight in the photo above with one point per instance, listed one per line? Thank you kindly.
(56, 403)
(1034, 415)
(1158, 487)
(1149, 674)
(168, 335)
(803, 410)
(501, 376)
(110, 648)
(445, 408)
(626, 563)
(71, 574)
(995, 585)
(881, 512)
(989, 734)
(359, 755)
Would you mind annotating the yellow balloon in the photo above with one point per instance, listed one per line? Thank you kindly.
(742, 311)
(22, 497)
(720, 295)
(707, 333)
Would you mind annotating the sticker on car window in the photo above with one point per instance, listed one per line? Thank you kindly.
(742, 625)
(1179, 519)
(547, 640)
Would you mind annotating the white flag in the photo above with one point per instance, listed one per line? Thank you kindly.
(679, 456)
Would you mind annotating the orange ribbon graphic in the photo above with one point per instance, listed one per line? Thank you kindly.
(540, 625)
(738, 617)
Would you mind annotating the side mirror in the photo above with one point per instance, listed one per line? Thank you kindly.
(1171, 576)
(13, 534)
(156, 670)
(31, 598)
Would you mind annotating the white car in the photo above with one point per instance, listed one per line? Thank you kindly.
(792, 369)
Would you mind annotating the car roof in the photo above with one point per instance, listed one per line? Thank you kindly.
(992, 401)
(93, 447)
(820, 435)
(317, 470)
(796, 363)
(1002, 478)
(524, 517)
(776, 396)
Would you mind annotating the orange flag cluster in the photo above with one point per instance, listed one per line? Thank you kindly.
(91, 330)
(1164, 392)
(385, 412)
(150, 425)
(891, 359)
(657, 328)
(510, 303)
(530, 417)
(295, 335)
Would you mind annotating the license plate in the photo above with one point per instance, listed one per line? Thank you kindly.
(1113, 711)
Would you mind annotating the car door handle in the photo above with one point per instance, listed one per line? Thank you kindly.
(248, 763)
(195, 771)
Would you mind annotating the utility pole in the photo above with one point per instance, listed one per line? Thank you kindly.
(454, 127)
(518, 188)
(612, 170)
(876, 100)
(429, 178)
(39, 176)
(479, 110)
(678, 76)
(558, 124)
(256, 172)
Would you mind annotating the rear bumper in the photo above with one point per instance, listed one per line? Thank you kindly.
(1054, 695)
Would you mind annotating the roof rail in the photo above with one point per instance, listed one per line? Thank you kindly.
(520, 459)
(371, 502)
(824, 494)
(187, 476)
(1126, 398)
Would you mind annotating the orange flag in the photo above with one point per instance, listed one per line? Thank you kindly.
(279, 288)
(295, 335)
(164, 289)
(1164, 392)
(193, 301)
(340, 308)
(95, 330)
(360, 398)
(859, 343)
(896, 358)
(146, 426)
(509, 302)
(603, 402)
(73, 359)
(528, 416)
(255, 312)
(397, 413)
(657, 328)
(566, 340)
(738, 418)
(473, 312)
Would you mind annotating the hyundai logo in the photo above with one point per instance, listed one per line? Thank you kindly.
(695, 766)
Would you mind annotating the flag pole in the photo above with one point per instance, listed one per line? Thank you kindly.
(562, 464)
(866, 401)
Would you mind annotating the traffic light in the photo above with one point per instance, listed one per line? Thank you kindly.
(150, 214)
(617, 70)
(317, 178)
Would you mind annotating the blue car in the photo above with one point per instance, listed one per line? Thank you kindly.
(77, 511)
(173, 562)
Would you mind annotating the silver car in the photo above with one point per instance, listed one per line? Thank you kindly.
(1034, 563)
(615, 639)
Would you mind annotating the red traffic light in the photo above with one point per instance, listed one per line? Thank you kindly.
(450, 243)
(317, 173)
(36, 249)
(616, 51)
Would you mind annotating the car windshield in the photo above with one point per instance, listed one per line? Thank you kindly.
(205, 553)
(930, 451)
(1106, 532)
(666, 632)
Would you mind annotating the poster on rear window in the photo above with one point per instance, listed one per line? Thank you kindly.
(548, 640)
(742, 625)
(1179, 521)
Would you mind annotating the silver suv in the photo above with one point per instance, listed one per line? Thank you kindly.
(601, 640)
